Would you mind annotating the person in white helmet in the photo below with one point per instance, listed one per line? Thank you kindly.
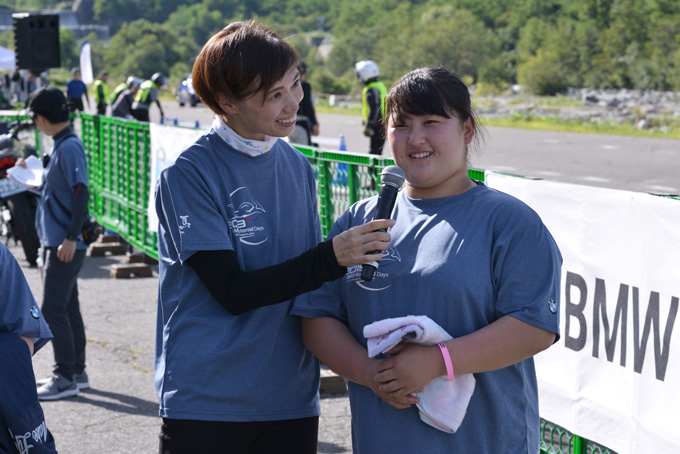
(122, 106)
(147, 94)
(372, 104)
(125, 85)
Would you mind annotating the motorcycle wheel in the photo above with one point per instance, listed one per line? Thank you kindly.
(22, 207)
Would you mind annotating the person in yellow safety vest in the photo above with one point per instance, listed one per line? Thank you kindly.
(372, 104)
(148, 93)
(125, 85)
(101, 93)
(123, 105)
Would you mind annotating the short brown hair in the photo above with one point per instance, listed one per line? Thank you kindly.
(239, 61)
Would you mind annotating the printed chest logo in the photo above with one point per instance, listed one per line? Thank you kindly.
(248, 218)
(35, 312)
(381, 276)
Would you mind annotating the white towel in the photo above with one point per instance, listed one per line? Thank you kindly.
(443, 403)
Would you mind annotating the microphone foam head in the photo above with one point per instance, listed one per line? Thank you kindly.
(393, 176)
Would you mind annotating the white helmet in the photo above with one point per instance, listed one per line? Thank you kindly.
(366, 70)
(130, 81)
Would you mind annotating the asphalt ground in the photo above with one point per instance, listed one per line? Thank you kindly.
(119, 413)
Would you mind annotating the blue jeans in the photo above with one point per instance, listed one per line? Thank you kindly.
(61, 309)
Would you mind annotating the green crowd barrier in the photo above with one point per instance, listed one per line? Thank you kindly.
(119, 165)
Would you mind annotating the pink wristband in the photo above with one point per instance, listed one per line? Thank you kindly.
(447, 360)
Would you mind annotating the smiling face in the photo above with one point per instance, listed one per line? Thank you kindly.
(430, 123)
(432, 151)
(272, 113)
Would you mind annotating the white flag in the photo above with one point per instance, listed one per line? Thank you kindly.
(86, 63)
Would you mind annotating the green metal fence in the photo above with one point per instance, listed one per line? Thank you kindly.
(558, 440)
(118, 158)
(119, 164)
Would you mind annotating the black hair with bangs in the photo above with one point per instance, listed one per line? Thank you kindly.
(431, 91)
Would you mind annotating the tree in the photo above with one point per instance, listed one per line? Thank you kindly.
(7, 39)
(455, 39)
(34, 5)
(351, 49)
(531, 37)
(142, 48)
(543, 74)
(196, 22)
(228, 8)
(118, 12)
(70, 51)
(324, 82)
(548, 44)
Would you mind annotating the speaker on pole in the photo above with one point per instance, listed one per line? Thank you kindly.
(36, 41)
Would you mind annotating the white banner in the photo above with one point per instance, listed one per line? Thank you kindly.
(614, 375)
(86, 63)
(167, 142)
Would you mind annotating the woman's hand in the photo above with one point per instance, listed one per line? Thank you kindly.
(66, 250)
(396, 400)
(331, 341)
(353, 246)
(21, 163)
(409, 368)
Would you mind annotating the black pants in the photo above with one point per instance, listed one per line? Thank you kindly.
(61, 309)
(76, 105)
(101, 109)
(291, 436)
(140, 114)
(377, 141)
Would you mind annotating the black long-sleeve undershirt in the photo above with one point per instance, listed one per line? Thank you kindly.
(81, 198)
(374, 114)
(240, 291)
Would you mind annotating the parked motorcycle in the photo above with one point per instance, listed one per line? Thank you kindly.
(18, 205)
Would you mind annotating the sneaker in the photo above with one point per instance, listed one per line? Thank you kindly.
(57, 388)
(81, 380)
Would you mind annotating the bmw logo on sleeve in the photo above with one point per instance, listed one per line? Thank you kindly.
(35, 313)
(552, 305)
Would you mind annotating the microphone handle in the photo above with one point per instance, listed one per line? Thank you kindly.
(386, 201)
(383, 210)
(367, 270)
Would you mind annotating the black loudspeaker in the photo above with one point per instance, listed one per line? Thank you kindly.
(36, 41)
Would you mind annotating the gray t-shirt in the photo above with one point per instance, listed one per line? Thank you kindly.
(464, 261)
(211, 365)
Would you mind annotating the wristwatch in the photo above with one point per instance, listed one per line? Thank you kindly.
(71, 237)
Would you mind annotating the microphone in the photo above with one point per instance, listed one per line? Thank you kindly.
(391, 179)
